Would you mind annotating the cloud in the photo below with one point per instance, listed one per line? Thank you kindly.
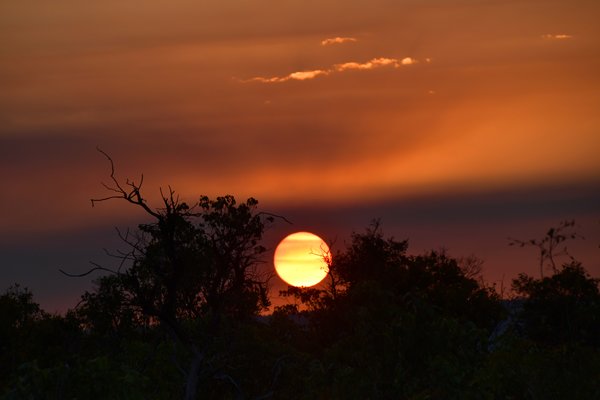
(554, 36)
(374, 63)
(337, 40)
(297, 76)
(304, 75)
(351, 65)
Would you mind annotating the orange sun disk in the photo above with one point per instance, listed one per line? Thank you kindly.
(300, 259)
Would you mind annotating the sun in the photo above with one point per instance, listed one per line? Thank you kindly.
(300, 259)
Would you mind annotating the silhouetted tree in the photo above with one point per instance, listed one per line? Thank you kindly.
(190, 270)
(400, 326)
(551, 349)
(179, 317)
(370, 257)
(372, 263)
(552, 245)
(564, 307)
(550, 346)
(18, 313)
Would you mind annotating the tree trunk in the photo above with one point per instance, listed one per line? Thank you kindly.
(191, 384)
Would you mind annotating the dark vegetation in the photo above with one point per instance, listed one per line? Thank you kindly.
(182, 317)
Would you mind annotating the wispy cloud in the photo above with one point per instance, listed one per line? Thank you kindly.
(351, 65)
(374, 63)
(297, 76)
(337, 40)
(557, 36)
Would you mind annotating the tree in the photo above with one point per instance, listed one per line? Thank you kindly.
(549, 347)
(189, 271)
(372, 263)
(562, 308)
(552, 245)
(399, 326)
(370, 257)
(18, 313)
(565, 306)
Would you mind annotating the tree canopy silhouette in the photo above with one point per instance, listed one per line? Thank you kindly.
(181, 316)
(188, 270)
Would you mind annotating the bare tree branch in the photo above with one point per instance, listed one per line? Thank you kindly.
(97, 267)
(132, 195)
(268, 214)
(548, 245)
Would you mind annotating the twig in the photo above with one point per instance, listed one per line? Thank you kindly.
(96, 268)
(275, 216)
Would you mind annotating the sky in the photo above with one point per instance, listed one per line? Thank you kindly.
(459, 123)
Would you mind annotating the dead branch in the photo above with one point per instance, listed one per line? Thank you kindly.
(132, 194)
(97, 267)
(549, 244)
(268, 214)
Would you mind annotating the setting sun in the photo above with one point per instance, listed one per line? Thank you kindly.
(300, 259)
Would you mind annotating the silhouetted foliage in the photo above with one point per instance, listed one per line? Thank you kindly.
(180, 317)
(372, 265)
(370, 257)
(399, 326)
(562, 308)
(18, 313)
(191, 274)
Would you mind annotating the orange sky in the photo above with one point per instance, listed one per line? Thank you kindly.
(294, 102)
